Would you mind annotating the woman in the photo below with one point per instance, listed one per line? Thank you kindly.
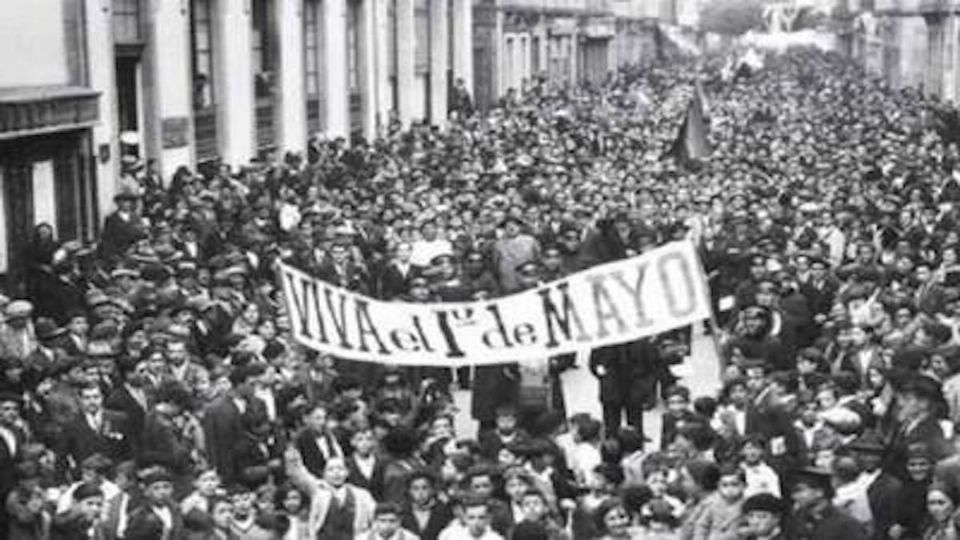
(942, 513)
(613, 521)
(699, 480)
(246, 323)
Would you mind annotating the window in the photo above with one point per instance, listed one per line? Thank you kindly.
(126, 21)
(262, 54)
(311, 39)
(201, 35)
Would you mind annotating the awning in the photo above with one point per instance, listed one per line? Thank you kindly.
(36, 110)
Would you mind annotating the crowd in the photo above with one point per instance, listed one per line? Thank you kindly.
(149, 389)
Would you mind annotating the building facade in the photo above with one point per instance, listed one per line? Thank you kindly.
(911, 43)
(96, 85)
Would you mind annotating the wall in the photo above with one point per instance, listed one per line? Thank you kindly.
(32, 38)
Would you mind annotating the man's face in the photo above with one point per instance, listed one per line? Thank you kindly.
(387, 525)
(762, 524)
(335, 472)
(316, 421)
(90, 508)
(506, 423)
(91, 400)
(481, 486)
(176, 352)
(159, 492)
(533, 507)
(805, 496)
(421, 491)
(477, 519)
(9, 413)
(222, 515)
(363, 442)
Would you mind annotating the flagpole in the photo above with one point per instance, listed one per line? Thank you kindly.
(712, 321)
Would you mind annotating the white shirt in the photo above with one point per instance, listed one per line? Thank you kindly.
(365, 464)
(457, 531)
(10, 439)
(266, 396)
(761, 478)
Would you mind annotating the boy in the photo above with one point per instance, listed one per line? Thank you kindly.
(366, 468)
(386, 525)
(474, 523)
(760, 477)
(678, 412)
(721, 517)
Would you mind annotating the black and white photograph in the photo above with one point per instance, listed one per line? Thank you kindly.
(479, 270)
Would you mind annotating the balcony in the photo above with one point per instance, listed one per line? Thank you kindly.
(37, 110)
(560, 6)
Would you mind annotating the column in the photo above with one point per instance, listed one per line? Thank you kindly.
(290, 109)
(370, 104)
(913, 50)
(381, 73)
(463, 41)
(951, 55)
(406, 60)
(333, 76)
(933, 74)
(439, 47)
(235, 115)
(101, 77)
(167, 74)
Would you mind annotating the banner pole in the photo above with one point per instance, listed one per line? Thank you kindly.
(712, 321)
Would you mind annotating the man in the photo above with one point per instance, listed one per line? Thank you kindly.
(883, 489)
(17, 339)
(158, 516)
(342, 510)
(627, 375)
(131, 398)
(395, 280)
(511, 251)
(474, 523)
(11, 441)
(95, 430)
(222, 423)
(430, 245)
(122, 228)
(365, 466)
(505, 433)
(764, 517)
(425, 514)
(315, 443)
(82, 521)
(815, 516)
(386, 524)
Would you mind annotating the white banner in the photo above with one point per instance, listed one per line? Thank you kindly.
(612, 303)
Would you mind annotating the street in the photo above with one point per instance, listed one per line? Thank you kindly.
(700, 372)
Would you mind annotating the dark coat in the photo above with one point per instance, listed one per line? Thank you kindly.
(162, 445)
(440, 517)
(393, 283)
(494, 386)
(80, 441)
(831, 524)
(222, 427)
(927, 431)
(314, 457)
(374, 484)
(627, 368)
(883, 495)
(145, 524)
(119, 234)
(121, 401)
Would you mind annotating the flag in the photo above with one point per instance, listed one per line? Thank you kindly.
(691, 143)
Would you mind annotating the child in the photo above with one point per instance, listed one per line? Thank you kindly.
(760, 477)
(721, 517)
(205, 486)
(678, 412)
(661, 523)
(657, 479)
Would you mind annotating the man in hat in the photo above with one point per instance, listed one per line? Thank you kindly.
(512, 251)
(95, 430)
(158, 516)
(764, 517)
(17, 337)
(920, 400)
(815, 516)
(122, 228)
(883, 489)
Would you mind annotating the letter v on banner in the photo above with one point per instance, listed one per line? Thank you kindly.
(612, 303)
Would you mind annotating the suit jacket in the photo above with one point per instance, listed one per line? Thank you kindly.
(440, 517)
(883, 495)
(927, 431)
(113, 440)
(120, 400)
(145, 524)
(393, 283)
(119, 234)
(314, 456)
(222, 428)
(374, 484)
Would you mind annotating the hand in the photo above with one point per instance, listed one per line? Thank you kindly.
(895, 532)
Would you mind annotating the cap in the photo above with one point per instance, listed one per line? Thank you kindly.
(96, 462)
(86, 490)
(155, 475)
(18, 309)
(764, 502)
(812, 477)
(45, 328)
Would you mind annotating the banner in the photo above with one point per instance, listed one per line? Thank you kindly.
(607, 304)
